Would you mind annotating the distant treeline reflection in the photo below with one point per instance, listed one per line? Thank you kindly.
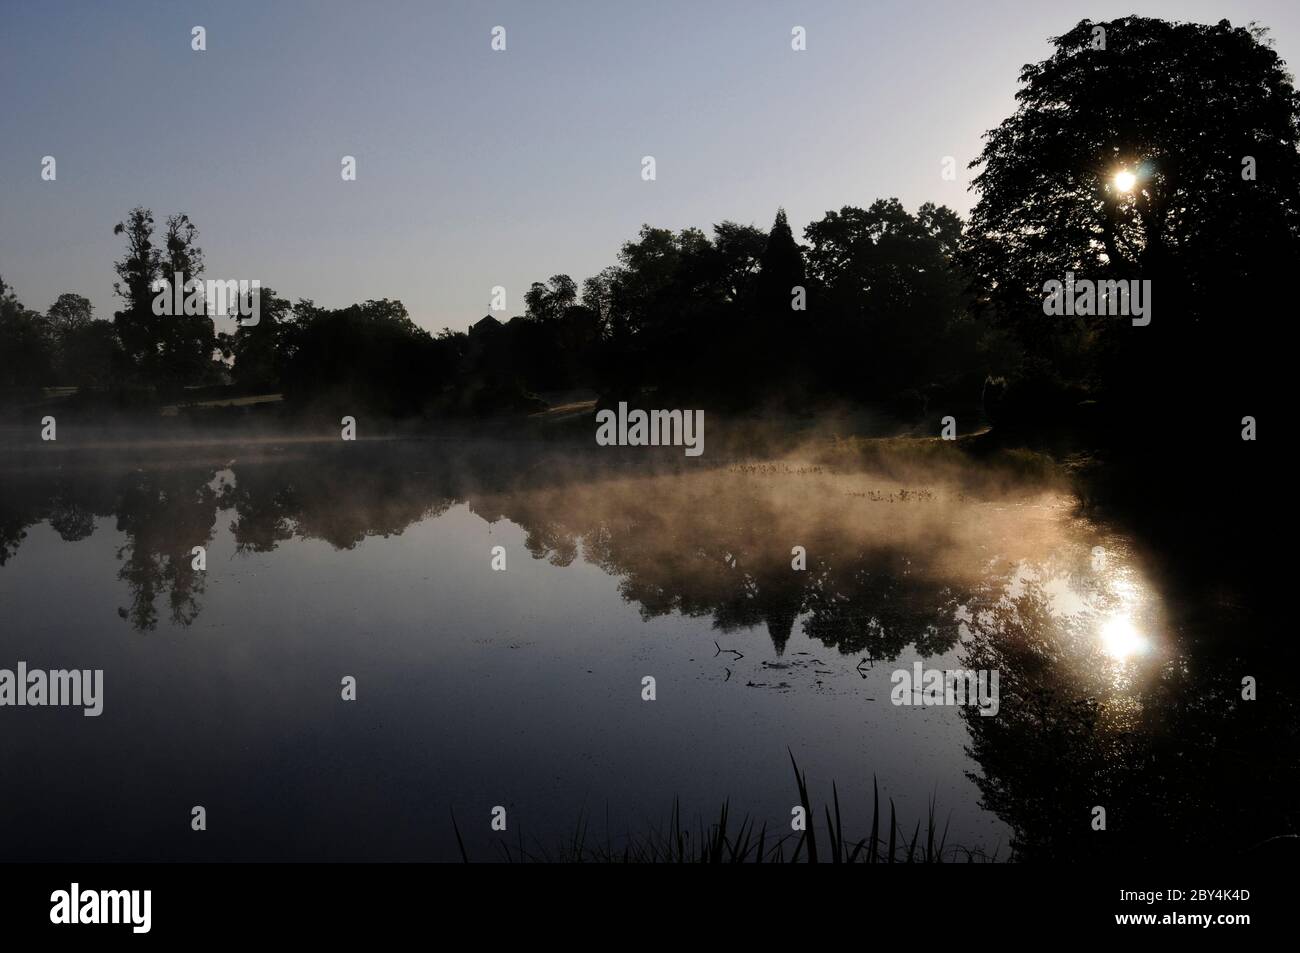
(696, 544)
(1172, 756)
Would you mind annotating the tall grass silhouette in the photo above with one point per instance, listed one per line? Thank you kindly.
(728, 841)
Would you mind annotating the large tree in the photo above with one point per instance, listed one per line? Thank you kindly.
(161, 350)
(365, 357)
(887, 303)
(1206, 121)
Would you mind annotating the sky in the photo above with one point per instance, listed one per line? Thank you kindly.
(477, 168)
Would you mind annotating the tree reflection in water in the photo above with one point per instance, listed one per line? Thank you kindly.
(1110, 695)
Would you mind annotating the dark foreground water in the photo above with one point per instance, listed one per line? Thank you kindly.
(523, 688)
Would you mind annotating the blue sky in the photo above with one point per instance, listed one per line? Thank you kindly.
(477, 168)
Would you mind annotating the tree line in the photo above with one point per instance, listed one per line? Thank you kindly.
(871, 307)
(911, 311)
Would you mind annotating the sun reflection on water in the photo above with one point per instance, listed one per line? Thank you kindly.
(1121, 640)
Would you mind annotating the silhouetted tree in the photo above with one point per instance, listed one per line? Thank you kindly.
(781, 267)
(776, 345)
(739, 250)
(161, 350)
(368, 356)
(887, 298)
(556, 337)
(86, 350)
(259, 353)
(1186, 108)
(548, 302)
(26, 345)
(70, 312)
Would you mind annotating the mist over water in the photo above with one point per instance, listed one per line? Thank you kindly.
(522, 688)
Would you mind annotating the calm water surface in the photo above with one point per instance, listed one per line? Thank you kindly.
(523, 688)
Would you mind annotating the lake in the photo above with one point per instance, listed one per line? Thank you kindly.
(771, 601)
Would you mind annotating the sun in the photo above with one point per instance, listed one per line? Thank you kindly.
(1125, 180)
